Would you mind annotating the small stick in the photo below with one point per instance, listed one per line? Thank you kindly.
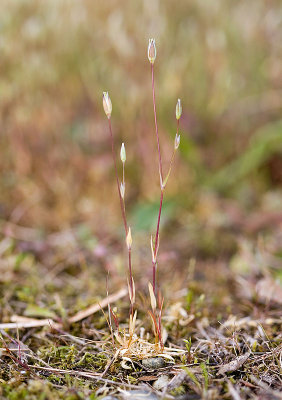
(82, 374)
(96, 307)
(23, 322)
(29, 324)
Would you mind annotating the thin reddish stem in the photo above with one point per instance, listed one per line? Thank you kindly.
(156, 124)
(159, 219)
(158, 224)
(130, 280)
(154, 276)
(157, 242)
(118, 184)
(161, 180)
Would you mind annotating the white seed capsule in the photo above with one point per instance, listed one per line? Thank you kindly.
(122, 190)
(152, 51)
(122, 153)
(107, 104)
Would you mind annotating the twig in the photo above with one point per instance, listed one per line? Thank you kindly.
(32, 323)
(23, 322)
(82, 374)
(96, 307)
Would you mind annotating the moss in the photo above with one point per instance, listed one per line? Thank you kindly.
(92, 361)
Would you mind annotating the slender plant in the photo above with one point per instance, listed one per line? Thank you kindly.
(121, 192)
(156, 315)
(152, 53)
(156, 312)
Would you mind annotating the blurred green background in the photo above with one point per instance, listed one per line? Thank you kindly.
(223, 58)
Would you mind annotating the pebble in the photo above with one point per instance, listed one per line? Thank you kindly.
(161, 382)
(139, 395)
(153, 362)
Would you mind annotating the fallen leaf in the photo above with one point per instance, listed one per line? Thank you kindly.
(234, 365)
(148, 378)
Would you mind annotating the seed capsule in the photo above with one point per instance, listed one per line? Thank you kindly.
(152, 51)
(178, 109)
(122, 153)
(176, 141)
(107, 104)
(129, 239)
(122, 190)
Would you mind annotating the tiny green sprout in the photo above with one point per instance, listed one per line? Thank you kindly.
(205, 375)
(176, 141)
(107, 104)
(188, 344)
(152, 51)
(189, 299)
(122, 153)
(178, 109)
(122, 189)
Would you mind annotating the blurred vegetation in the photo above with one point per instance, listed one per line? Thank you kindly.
(222, 58)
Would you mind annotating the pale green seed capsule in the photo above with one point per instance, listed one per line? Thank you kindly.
(178, 109)
(122, 153)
